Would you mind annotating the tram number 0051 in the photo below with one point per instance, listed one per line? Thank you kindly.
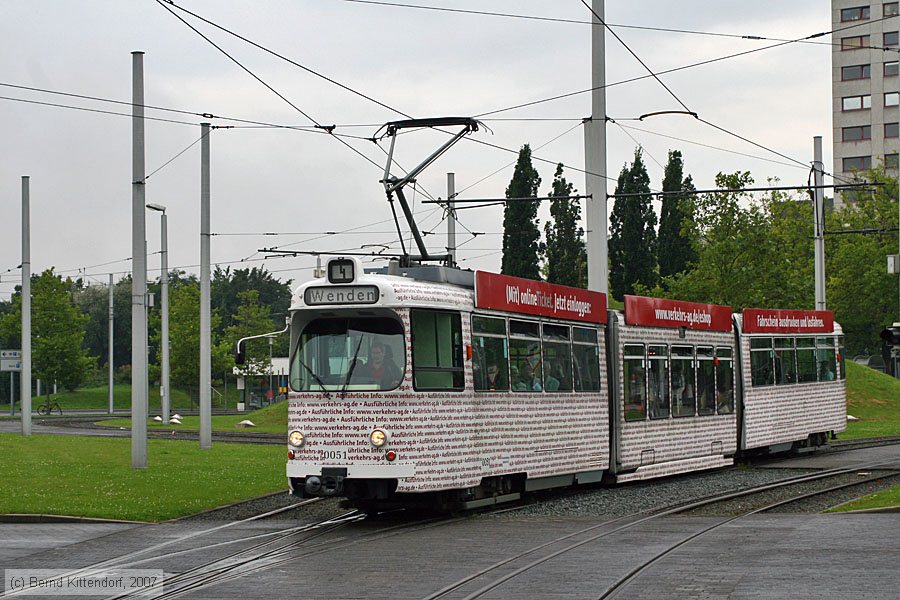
(333, 454)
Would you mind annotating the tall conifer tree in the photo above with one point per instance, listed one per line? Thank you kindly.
(521, 236)
(632, 241)
(566, 254)
(675, 250)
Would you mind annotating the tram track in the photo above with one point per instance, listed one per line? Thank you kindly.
(501, 572)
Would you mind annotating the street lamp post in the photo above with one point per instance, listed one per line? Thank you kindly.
(164, 317)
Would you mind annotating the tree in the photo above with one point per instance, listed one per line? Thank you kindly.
(858, 288)
(521, 236)
(565, 250)
(227, 286)
(184, 336)
(251, 318)
(57, 331)
(632, 241)
(675, 253)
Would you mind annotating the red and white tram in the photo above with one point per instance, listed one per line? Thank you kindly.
(450, 388)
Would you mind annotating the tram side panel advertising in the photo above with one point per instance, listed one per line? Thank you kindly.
(770, 320)
(514, 294)
(662, 312)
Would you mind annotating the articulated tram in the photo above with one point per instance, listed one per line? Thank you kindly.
(445, 388)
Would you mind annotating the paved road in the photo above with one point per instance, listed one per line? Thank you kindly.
(763, 556)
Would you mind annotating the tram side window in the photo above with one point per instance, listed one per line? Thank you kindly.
(557, 358)
(826, 358)
(436, 350)
(586, 359)
(841, 372)
(490, 354)
(525, 371)
(635, 384)
(706, 381)
(658, 381)
(762, 370)
(683, 400)
(806, 359)
(785, 361)
(724, 381)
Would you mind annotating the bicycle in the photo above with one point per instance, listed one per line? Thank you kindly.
(49, 406)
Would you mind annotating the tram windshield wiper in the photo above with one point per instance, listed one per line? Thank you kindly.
(351, 369)
(318, 379)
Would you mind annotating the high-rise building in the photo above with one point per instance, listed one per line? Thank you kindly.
(865, 86)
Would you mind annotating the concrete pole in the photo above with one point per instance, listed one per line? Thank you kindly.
(164, 317)
(25, 378)
(205, 342)
(111, 367)
(451, 218)
(138, 273)
(819, 225)
(595, 160)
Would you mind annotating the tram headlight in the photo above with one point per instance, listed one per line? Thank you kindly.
(378, 438)
(296, 439)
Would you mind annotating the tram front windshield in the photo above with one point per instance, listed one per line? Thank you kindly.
(335, 354)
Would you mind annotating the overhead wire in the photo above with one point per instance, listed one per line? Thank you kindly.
(636, 57)
(254, 75)
(680, 68)
(751, 37)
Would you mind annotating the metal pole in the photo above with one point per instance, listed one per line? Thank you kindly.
(271, 391)
(164, 327)
(138, 273)
(595, 159)
(25, 380)
(12, 394)
(205, 343)
(451, 219)
(819, 223)
(111, 366)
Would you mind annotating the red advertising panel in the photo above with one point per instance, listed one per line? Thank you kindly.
(513, 294)
(772, 320)
(661, 312)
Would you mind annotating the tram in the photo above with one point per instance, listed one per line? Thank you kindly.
(444, 388)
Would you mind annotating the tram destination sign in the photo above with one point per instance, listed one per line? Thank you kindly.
(662, 312)
(514, 294)
(770, 320)
(345, 294)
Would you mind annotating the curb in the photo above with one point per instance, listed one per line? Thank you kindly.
(39, 518)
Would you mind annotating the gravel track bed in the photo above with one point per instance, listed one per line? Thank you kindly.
(816, 504)
(610, 502)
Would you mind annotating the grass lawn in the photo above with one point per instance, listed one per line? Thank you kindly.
(98, 398)
(890, 497)
(271, 419)
(873, 398)
(92, 477)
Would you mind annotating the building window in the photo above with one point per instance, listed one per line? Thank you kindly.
(856, 72)
(892, 99)
(857, 163)
(857, 102)
(891, 161)
(891, 130)
(854, 14)
(891, 38)
(891, 69)
(852, 43)
(855, 134)
(891, 9)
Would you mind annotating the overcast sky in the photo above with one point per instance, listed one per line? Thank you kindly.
(423, 63)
